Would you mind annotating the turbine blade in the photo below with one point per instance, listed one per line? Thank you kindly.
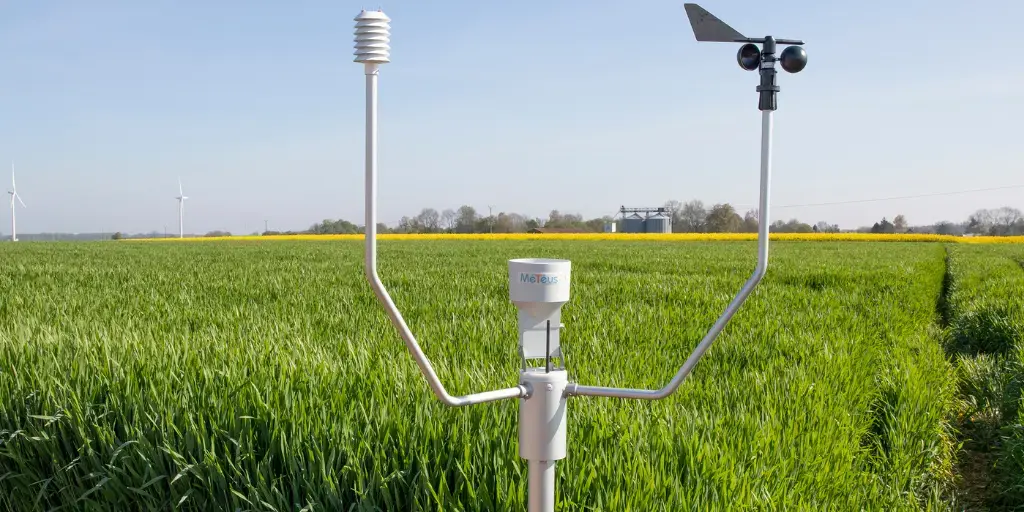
(19, 200)
(180, 192)
(707, 27)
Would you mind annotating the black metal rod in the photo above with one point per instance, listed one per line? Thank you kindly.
(547, 350)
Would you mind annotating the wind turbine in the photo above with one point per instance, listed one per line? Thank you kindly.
(14, 195)
(181, 210)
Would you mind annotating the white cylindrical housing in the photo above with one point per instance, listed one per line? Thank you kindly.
(538, 287)
(538, 280)
(373, 35)
(542, 415)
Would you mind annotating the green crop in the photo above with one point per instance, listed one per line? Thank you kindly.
(985, 313)
(265, 376)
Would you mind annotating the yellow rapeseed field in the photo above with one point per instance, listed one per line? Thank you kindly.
(680, 237)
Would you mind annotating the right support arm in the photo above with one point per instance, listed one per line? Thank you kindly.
(709, 338)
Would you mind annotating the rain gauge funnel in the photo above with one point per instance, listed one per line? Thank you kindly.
(538, 287)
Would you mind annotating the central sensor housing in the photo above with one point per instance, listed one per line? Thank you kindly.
(538, 287)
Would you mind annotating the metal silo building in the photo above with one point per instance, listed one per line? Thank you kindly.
(633, 224)
(658, 223)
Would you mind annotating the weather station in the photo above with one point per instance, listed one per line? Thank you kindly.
(540, 287)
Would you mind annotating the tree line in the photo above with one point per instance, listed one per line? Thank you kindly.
(690, 217)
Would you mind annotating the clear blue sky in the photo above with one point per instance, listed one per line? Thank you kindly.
(527, 106)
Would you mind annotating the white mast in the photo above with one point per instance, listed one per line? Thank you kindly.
(14, 195)
(181, 210)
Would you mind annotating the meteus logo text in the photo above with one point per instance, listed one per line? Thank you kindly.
(525, 277)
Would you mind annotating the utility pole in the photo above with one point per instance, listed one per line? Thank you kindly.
(265, 228)
(490, 214)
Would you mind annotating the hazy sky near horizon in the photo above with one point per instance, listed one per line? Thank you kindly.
(579, 106)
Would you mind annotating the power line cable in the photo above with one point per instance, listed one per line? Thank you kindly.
(915, 196)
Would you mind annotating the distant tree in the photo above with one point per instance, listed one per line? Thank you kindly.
(465, 220)
(795, 226)
(692, 217)
(405, 225)
(117, 236)
(596, 225)
(1006, 221)
(331, 227)
(513, 223)
(483, 224)
(428, 221)
(554, 220)
(945, 228)
(505, 223)
(750, 221)
(564, 220)
(980, 222)
(883, 227)
(448, 218)
(509, 223)
(899, 223)
(723, 219)
(217, 233)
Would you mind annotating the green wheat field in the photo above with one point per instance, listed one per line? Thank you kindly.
(265, 376)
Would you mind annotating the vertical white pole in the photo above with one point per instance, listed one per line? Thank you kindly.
(766, 172)
(371, 70)
(181, 218)
(541, 491)
(542, 429)
(14, 228)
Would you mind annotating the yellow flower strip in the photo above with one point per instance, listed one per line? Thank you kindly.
(680, 237)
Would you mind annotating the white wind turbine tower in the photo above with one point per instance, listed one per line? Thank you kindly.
(181, 210)
(14, 195)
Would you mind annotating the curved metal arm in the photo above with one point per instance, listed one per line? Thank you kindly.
(374, 279)
(759, 271)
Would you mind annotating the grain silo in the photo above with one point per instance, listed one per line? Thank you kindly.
(633, 224)
(658, 223)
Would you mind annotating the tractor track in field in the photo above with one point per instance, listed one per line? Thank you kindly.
(972, 475)
(976, 485)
